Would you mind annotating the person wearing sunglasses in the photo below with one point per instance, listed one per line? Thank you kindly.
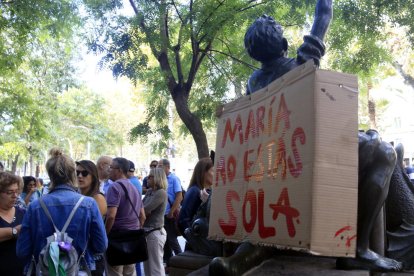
(11, 219)
(153, 165)
(88, 181)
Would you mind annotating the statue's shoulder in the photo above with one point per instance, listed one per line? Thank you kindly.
(270, 72)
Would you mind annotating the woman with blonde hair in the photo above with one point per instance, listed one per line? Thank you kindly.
(155, 202)
(60, 201)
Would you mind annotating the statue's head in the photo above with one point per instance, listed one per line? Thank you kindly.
(264, 39)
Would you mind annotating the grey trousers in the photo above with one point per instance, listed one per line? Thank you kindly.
(155, 244)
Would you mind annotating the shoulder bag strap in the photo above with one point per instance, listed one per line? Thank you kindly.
(72, 214)
(127, 196)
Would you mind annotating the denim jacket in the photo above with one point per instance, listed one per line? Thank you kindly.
(86, 225)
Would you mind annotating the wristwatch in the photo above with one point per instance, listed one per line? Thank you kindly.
(14, 233)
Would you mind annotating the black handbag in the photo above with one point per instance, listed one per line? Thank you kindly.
(126, 246)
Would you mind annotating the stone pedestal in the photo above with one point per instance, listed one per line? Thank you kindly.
(302, 265)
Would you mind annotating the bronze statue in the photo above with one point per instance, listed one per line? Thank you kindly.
(400, 215)
(377, 161)
(264, 42)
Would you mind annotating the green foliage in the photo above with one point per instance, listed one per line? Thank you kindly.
(180, 49)
(187, 52)
(84, 120)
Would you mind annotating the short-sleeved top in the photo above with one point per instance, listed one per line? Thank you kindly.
(145, 182)
(125, 218)
(174, 186)
(106, 184)
(9, 263)
(410, 171)
(137, 184)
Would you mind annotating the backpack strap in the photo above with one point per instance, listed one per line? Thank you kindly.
(69, 218)
(42, 204)
(72, 214)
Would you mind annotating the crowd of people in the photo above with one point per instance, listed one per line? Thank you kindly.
(108, 198)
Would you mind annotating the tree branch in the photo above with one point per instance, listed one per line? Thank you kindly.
(192, 31)
(223, 72)
(163, 55)
(252, 6)
(409, 80)
(144, 28)
(177, 11)
(134, 7)
(235, 59)
(209, 16)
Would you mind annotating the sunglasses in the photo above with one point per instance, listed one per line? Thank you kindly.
(83, 173)
(153, 166)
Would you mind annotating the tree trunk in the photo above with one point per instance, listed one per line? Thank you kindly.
(193, 124)
(371, 108)
(37, 173)
(14, 163)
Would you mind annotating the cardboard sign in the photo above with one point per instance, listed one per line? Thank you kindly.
(286, 165)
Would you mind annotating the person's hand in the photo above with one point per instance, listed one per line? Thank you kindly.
(204, 195)
(32, 190)
(170, 215)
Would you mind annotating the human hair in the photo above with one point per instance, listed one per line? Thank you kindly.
(264, 39)
(200, 169)
(160, 180)
(91, 168)
(154, 161)
(103, 159)
(60, 168)
(165, 162)
(7, 179)
(26, 181)
(123, 164)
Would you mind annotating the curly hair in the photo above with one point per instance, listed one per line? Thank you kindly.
(264, 39)
(26, 181)
(7, 179)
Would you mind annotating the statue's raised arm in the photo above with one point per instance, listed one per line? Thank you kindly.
(323, 16)
(264, 42)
